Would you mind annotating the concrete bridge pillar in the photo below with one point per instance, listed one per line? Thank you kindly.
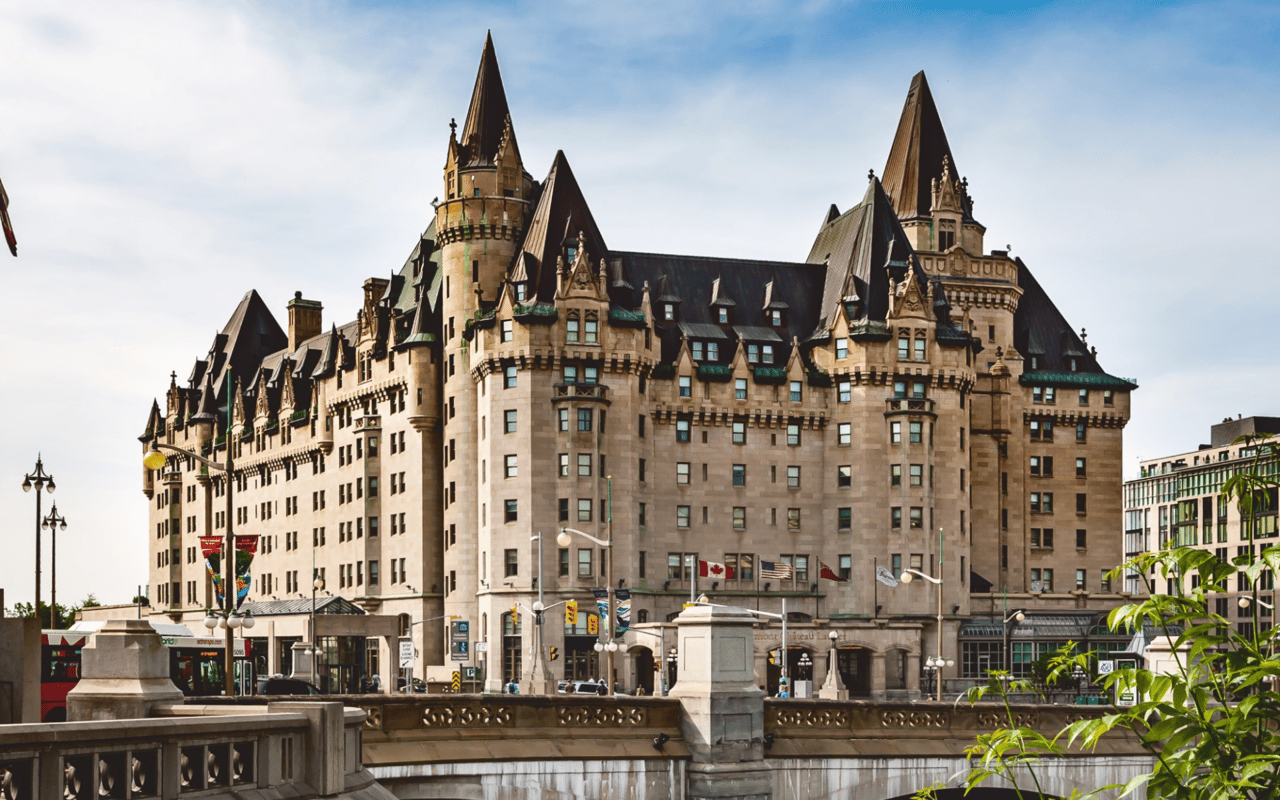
(879, 681)
(723, 720)
(126, 674)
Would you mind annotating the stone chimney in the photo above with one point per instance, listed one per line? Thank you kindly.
(304, 320)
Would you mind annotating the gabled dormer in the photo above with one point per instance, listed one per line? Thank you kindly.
(667, 304)
(721, 305)
(775, 310)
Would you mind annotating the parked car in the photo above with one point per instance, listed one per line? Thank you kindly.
(419, 687)
(286, 686)
(580, 687)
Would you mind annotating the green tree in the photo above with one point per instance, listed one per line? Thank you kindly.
(1212, 722)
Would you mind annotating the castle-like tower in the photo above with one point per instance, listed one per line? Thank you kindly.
(897, 400)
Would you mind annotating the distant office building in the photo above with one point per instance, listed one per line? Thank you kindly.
(898, 396)
(1176, 500)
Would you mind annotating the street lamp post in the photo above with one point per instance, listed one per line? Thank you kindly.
(41, 480)
(1018, 615)
(564, 540)
(907, 578)
(538, 677)
(155, 460)
(52, 523)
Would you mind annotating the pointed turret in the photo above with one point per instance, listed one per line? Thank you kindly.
(488, 119)
(916, 158)
(561, 219)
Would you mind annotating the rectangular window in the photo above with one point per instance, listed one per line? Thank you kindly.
(563, 462)
(895, 517)
(584, 465)
(509, 421)
(904, 348)
(739, 433)
(591, 331)
(739, 474)
(562, 507)
(642, 516)
(507, 330)
(844, 434)
(895, 475)
(753, 354)
(844, 476)
(917, 474)
(686, 386)
(895, 432)
(793, 477)
(793, 435)
(642, 465)
(682, 430)
(569, 374)
(571, 330)
(1108, 397)
(1082, 501)
(682, 516)
(585, 562)
(509, 466)
(739, 517)
(509, 377)
(563, 561)
(793, 519)
(1080, 468)
(682, 473)
(919, 349)
(844, 518)
(917, 517)
(1082, 538)
(797, 391)
(766, 354)
(843, 392)
(739, 388)
(713, 351)
(917, 432)
(1080, 431)
(511, 513)
(511, 563)
(584, 510)
(895, 562)
(842, 348)
(584, 419)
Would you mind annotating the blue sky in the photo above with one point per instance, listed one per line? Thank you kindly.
(163, 159)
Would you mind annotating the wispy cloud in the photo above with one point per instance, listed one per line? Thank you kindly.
(164, 158)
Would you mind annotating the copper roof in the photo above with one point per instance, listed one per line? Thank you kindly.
(915, 160)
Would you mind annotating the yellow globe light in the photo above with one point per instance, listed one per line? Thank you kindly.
(153, 460)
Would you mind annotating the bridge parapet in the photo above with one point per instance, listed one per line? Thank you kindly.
(277, 752)
(805, 728)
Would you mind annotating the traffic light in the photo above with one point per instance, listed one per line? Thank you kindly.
(515, 615)
(554, 654)
(571, 613)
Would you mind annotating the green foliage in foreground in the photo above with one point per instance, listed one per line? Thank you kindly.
(1211, 721)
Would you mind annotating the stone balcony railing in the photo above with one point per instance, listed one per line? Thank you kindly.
(909, 405)
(369, 422)
(284, 750)
(597, 392)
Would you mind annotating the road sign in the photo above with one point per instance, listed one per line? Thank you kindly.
(459, 640)
(472, 674)
(406, 654)
(482, 647)
(456, 683)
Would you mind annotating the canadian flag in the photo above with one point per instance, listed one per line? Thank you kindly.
(713, 569)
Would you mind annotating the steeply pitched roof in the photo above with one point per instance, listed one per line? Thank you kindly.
(1040, 330)
(487, 115)
(561, 213)
(858, 246)
(915, 159)
(689, 277)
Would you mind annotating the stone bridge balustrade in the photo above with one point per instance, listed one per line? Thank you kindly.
(287, 750)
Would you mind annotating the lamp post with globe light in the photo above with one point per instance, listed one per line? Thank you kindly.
(564, 540)
(934, 663)
(53, 523)
(1018, 615)
(40, 480)
(155, 460)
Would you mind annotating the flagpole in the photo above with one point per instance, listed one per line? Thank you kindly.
(693, 580)
(756, 569)
(875, 590)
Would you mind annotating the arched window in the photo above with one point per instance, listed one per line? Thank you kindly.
(510, 648)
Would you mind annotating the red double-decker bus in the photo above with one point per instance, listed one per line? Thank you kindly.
(196, 665)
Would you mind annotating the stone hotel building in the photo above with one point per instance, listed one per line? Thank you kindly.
(898, 397)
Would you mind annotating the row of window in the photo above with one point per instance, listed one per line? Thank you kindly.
(1048, 395)
(1042, 467)
(1042, 538)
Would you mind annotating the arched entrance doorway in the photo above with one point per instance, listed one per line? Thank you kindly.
(642, 663)
(799, 667)
(854, 663)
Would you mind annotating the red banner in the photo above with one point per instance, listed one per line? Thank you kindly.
(247, 544)
(210, 545)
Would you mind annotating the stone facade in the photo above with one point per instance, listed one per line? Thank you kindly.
(898, 398)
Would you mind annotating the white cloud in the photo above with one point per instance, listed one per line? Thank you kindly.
(164, 158)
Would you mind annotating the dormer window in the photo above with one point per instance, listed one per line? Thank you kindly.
(669, 311)
(946, 235)
(713, 351)
(753, 354)
(722, 315)
(1035, 362)
(1073, 365)
(697, 350)
(570, 253)
(766, 354)
(775, 318)
(522, 292)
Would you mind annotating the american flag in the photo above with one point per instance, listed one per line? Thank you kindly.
(776, 570)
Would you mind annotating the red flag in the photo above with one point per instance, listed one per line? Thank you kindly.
(247, 543)
(714, 569)
(210, 545)
(826, 572)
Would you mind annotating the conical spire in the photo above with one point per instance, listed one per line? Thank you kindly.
(488, 115)
(562, 217)
(916, 158)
